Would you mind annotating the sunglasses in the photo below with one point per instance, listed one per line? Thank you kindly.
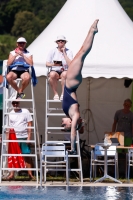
(60, 40)
(21, 42)
(15, 102)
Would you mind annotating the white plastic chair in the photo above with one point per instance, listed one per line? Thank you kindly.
(129, 158)
(53, 150)
(99, 152)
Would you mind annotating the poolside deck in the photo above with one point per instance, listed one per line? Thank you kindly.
(60, 183)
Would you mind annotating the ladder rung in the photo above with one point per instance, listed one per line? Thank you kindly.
(56, 114)
(63, 156)
(16, 113)
(58, 133)
(24, 141)
(74, 169)
(24, 169)
(55, 109)
(57, 128)
(70, 156)
(31, 127)
(10, 100)
(62, 141)
(27, 155)
(61, 132)
(54, 101)
(55, 156)
(75, 156)
(53, 169)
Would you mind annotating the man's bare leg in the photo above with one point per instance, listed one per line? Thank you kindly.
(11, 176)
(63, 79)
(29, 164)
(53, 80)
(11, 77)
(25, 81)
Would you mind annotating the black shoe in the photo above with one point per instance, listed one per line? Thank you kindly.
(20, 95)
(73, 152)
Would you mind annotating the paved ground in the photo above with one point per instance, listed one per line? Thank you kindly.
(60, 183)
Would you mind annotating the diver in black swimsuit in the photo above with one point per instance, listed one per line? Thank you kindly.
(73, 80)
(68, 100)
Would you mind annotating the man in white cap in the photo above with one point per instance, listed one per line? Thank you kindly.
(58, 61)
(18, 63)
(19, 120)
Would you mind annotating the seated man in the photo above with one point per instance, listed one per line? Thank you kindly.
(58, 60)
(20, 123)
(73, 80)
(18, 62)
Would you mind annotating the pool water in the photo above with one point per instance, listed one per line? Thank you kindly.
(66, 193)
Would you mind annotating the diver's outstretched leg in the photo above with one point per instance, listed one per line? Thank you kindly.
(74, 77)
(87, 45)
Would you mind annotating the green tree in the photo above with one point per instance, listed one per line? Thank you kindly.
(128, 7)
(24, 18)
(7, 44)
(9, 9)
(26, 24)
(49, 9)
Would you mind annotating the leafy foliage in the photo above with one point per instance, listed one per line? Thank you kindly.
(26, 24)
(24, 18)
(42, 9)
(7, 44)
(128, 7)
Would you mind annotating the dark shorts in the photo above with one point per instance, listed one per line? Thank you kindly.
(19, 73)
(25, 148)
(58, 72)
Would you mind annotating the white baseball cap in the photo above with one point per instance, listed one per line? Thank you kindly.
(61, 37)
(21, 39)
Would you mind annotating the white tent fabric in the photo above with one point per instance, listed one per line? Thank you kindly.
(98, 98)
(111, 55)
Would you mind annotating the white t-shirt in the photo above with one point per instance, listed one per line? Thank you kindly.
(19, 122)
(20, 59)
(56, 55)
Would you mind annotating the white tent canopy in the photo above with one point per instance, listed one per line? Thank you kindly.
(111, 54)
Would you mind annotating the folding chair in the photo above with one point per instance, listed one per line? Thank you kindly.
(129, 158)
(53, 150)
(99, 153)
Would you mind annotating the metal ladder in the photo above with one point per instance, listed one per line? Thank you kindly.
(55, 131)
(8, 96)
